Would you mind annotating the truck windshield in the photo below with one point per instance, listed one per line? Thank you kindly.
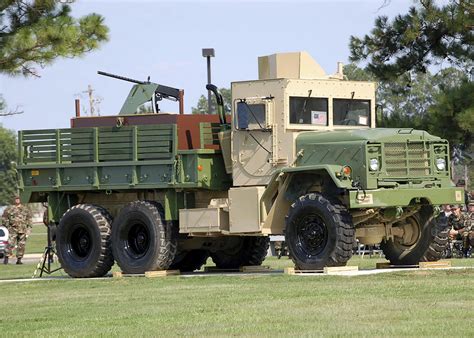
(309, 110)
(349, 112)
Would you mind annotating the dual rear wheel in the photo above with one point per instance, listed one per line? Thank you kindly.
(139, 239)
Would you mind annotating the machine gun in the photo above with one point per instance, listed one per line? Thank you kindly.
(146, 91)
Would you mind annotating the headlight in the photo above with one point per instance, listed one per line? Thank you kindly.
(374, 164)
(440, 164)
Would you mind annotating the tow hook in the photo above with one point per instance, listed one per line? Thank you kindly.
(356, 184)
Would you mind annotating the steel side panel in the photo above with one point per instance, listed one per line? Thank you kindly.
(244, 209)
(188, 131)
(402, 197)
(203, 220)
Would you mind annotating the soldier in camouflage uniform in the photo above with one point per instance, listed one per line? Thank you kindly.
(470, 217)
(17, 219)
(459, 229)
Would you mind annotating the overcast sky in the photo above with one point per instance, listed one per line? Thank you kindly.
(163, 40)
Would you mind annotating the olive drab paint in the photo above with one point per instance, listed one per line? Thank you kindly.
(296, 130)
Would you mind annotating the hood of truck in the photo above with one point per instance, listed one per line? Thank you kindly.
(366, 135)
(405, 156)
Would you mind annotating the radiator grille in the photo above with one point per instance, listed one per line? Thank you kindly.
(407, 159)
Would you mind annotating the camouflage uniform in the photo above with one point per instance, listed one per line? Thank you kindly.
(470, 224)
(456, 222)
(17, 219)
(460, 224)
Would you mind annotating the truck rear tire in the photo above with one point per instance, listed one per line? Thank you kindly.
(430, 237)
(83, 241)
(189, 261)
(142, 239)
(318, 233)
(247, 251)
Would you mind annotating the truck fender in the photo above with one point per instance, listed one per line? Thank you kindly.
(288, 184)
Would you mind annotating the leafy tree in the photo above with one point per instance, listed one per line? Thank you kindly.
(3, 105)
(426, 35)
(201, 107)
(7, 155)
(355, 73)
(8, 181)
(36, 32)
(452, 115)
(409, 100)
(4, 111)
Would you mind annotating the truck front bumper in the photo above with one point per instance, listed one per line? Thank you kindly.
(381, 198)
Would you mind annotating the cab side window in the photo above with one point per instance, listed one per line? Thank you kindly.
(250, 116)
(309, 110)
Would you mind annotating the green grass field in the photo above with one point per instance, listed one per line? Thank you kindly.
(37, 239)
(429, 303)
(411, 303)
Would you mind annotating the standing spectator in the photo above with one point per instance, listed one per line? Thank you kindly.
(458, 229)
(17, 219)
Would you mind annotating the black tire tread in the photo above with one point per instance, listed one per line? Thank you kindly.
(257, 252)
(103, 220)
(340, 216)
(168, 243)
(193, 260)
(167, 234)
(438, 245)
(252, 253)
(434, 237)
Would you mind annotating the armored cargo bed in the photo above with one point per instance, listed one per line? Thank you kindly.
(150, 151)
(188, 126)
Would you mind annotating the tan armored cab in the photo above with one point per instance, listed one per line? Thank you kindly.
(293, 94)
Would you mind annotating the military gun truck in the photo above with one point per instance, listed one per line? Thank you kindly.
(299, 156)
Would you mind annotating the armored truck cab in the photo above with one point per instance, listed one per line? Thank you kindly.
(301, 157)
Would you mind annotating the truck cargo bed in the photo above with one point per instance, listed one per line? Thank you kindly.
(129, 157)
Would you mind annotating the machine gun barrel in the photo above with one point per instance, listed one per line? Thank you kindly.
(123, 78)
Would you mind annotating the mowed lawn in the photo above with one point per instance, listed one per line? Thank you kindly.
(413, 303)
(37, 240)
(428, 303)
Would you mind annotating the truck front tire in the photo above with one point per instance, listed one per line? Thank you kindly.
(318, 233)
(142, 239)
(83, 242)
(429, 240)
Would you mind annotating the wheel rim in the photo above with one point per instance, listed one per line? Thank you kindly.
(312, 235)
(138, 240)
(80, 243)
(411, 233)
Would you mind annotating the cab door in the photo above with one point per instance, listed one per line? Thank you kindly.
(253, 141)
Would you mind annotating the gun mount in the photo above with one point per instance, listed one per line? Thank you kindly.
(123, 78)
(146, 91)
